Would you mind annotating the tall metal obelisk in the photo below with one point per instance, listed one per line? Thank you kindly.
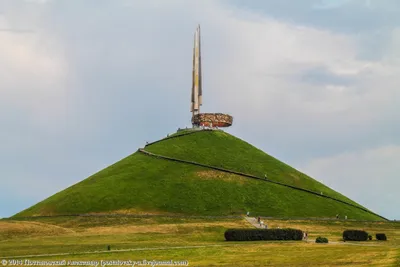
(210, 120)
(196, 76)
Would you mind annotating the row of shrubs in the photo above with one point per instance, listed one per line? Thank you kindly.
(263, 234)
(359, 235)
(292, 234)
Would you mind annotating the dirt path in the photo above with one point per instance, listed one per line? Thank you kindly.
(113, 251)
(167, 248)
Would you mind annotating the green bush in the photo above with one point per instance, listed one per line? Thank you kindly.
(369, 237)
(321, 240)
(381, 237)
(355, 235)
(263, 234)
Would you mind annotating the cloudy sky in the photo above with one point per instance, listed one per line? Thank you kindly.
(313, 83)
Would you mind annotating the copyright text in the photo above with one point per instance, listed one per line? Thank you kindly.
(102, 263)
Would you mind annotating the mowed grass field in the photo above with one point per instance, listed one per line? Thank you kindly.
(199, 241)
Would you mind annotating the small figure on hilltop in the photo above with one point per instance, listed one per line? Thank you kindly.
(345, 217)
(248, 213)
(265, 176)
(262, 224)
(337, 216)
(259, 219)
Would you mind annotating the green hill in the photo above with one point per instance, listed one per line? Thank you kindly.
(142, 183)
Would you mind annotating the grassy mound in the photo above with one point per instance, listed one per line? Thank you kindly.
(144, 184)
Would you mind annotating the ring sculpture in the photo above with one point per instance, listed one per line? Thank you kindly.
(212, 120)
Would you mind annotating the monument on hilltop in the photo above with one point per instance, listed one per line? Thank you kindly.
(203, 119)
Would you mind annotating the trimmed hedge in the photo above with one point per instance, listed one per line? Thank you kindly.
(263, 234)
(321, 240)
(381, 237)
(355, 235)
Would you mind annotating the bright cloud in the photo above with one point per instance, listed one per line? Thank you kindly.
(366, 175)
(32, 75)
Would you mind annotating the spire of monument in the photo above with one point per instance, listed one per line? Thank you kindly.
(196, 76)
(212, 120)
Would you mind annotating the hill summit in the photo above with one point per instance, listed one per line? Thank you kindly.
(203, 172)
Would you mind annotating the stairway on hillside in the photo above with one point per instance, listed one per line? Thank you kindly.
(253, 221)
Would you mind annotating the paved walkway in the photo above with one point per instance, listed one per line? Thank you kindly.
(253, 221)
(116, 250)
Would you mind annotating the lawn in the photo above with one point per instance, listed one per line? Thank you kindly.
(199, 241)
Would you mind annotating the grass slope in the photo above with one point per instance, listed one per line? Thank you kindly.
(220, 149)
(143, 184)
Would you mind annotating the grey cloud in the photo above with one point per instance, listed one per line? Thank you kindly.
(115, 80)
(322, 76)
(329, 4)
(373, 171)
(16, 30)
(351, 16)
(373, 23)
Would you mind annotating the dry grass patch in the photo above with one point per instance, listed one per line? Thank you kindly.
(295, 177)
(212, 174)
(389, 257)
(162, 228)
(132, 229)
(13, 229)
(134, 212)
